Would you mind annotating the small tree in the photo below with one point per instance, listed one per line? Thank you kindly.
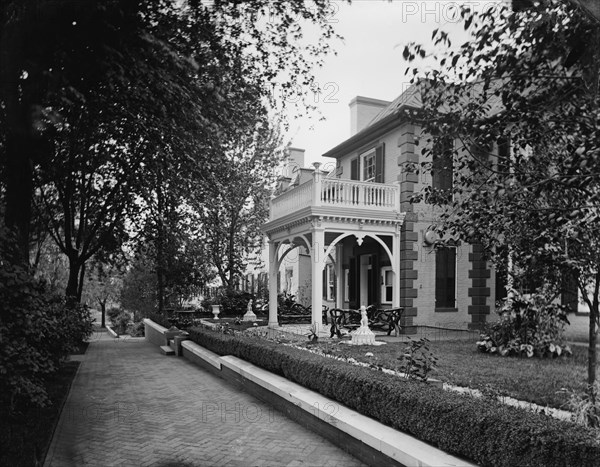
(103, 286)
(233, 203)
(138, 293)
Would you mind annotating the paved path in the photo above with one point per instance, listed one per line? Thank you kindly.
(132, 406)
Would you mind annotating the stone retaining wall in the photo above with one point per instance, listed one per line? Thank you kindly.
(155, 333)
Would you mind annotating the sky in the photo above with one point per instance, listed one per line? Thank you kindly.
(369, 63)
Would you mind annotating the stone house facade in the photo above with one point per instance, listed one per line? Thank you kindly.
(365, 241)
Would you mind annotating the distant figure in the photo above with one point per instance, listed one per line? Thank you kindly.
(249, 309)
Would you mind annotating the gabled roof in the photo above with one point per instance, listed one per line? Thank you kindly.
(390, 116)
(409, 98)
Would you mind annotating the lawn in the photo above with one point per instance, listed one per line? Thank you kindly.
(461, 364)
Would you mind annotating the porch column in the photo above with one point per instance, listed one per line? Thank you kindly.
(273, 270)
(316, 257)
(396, 269)
(339, 275)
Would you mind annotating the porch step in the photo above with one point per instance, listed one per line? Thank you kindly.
(167, 350)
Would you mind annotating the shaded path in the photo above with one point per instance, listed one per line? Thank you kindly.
(130, 405)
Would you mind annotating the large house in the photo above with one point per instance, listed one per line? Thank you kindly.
(363, 241)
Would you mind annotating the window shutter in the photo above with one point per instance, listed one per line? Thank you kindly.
(379, 161)
(354, 169)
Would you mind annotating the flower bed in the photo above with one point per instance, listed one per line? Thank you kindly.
(484, 431)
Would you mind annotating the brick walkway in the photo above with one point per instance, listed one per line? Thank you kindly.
(130, 405)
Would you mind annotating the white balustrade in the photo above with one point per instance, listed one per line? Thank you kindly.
(292, 200)
(361, 195)
(337, 193)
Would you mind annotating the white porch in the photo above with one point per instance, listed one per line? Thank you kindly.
(322, 215)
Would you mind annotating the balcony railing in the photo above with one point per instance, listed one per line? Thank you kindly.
(337, 193)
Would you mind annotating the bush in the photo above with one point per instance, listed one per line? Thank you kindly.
(76, 322)
(485, 431)
(37, 332)
(527, 326)
(233, 302)
(136, 329)
(161, 319)
(121, 322)
(112, 314)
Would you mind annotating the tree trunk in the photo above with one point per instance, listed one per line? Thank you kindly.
(592, 361)
(160, 238)
(103, 311)
(73, 281)
(592, 351)
(19, 192)
(17, 163)
(80, 282)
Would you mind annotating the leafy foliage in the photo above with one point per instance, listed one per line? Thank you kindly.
(121, 322)
(138, 293)
(418, 361)
(124, 105)
(37, 331)
(233, 203)
(527, 326)
(233, 302)
(520, 102)
(585, 407)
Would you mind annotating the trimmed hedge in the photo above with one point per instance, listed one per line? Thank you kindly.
(485, 431)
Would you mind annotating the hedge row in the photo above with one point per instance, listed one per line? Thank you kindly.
(482, 430)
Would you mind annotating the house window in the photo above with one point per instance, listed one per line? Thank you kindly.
(442, 168)
(445, 277)
(368, 163)
(368, 167)
(329, 282)
(387, 285)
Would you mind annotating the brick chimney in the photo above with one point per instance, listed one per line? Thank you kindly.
(363, 110)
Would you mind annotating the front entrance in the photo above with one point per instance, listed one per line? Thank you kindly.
(365, 278)
(368, 280)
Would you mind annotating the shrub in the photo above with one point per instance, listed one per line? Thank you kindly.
(136, 329)
(417, 361)
(485, 431)
(527, 326)
(233, 302)
(37, 332)
(121, 322)
(112, 314)
(75, 322)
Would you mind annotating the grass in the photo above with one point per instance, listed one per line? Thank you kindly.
(460, 363)
(25, 437)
